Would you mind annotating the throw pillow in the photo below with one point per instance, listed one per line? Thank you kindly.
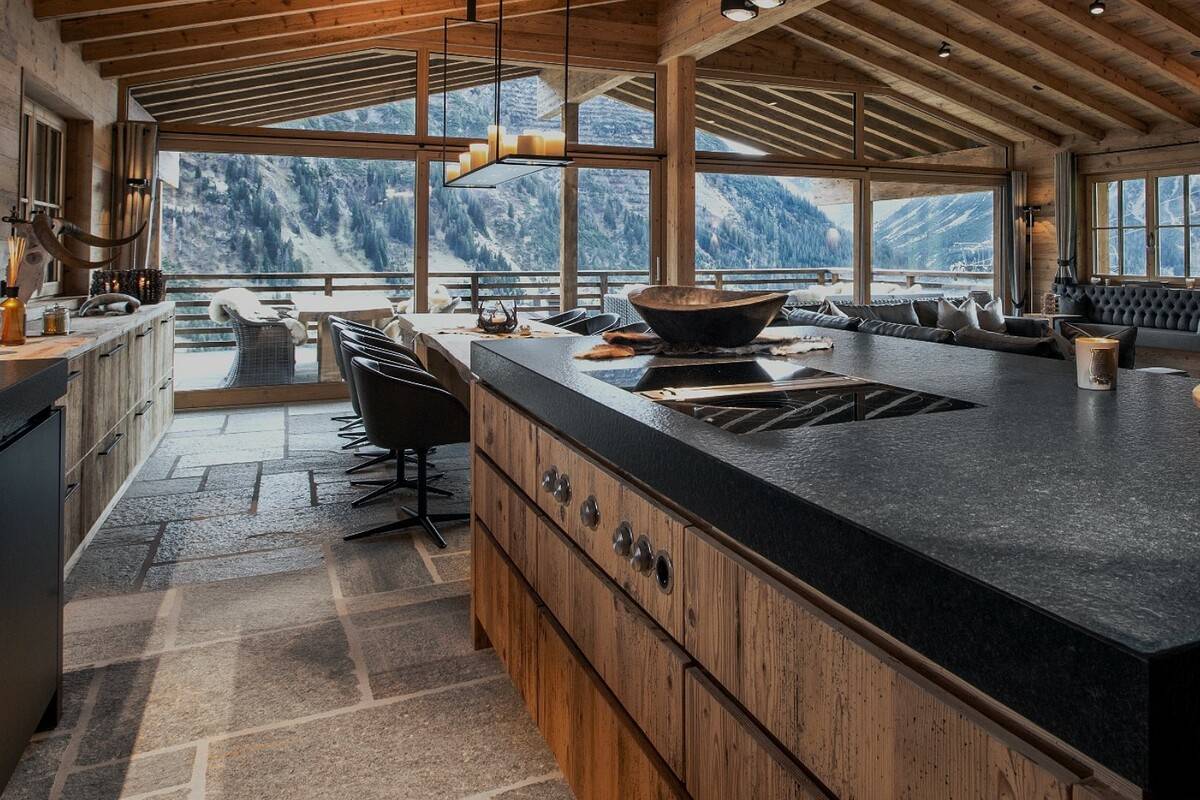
(1078, 305)
(982, 339)
(991, 317)
(926, 312)
(954, 318)
(899, 331)
(902, 313)
(1126, 341)
(830, 309)
(849, 310)
(799, 316)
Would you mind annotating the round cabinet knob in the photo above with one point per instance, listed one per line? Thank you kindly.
(641, 558)
(623, 540)
(589, 512)
(562, 489)
(664, 572)
(549, 478)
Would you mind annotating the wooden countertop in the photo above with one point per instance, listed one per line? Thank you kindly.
(87, 332)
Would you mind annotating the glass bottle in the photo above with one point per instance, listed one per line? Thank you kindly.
(12, 318)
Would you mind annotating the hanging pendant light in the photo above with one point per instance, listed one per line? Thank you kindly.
(1096, 8)
(502, 157)
(739, 10)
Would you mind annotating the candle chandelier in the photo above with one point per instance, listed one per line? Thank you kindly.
(504, 156)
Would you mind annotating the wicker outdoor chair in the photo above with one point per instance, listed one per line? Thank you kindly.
(266, 354)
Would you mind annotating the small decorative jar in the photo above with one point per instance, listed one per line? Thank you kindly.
(1096, 363)
(12, 318)
(56, 321)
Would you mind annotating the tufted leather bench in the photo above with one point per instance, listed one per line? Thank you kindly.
(1166, 319)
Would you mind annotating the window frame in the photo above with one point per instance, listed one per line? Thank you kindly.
(32, 160)
(1153, 228)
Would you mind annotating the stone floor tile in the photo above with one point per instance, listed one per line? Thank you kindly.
(143, 510)
(223, 568)
(120, 641)
(189, 472)
(553, 789)
(250, 605)
(197, 421)
(100, 612)
(366, 566)
(312, 423)
(329, 408)
(445, 605)
(458, 538)
(223, 456)
(138, 776)
(120, 535)
(156, 488)
(230, 476)
(312, 442)
(225, 442)
(102, 571)
(35, 772)
(453, 567)
(284, 490)
(445, 745)
(364, 606)
(188, 694)
(303, 460)
(272, 419)
(424, 652)
(76, 683)
(157, 467)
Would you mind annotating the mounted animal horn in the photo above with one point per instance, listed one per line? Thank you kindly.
(80, 235)
(43, 229)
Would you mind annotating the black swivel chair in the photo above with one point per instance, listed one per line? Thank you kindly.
(591, 326)
(432, 417)
(633, 327)
(377, 340)
(566, 317)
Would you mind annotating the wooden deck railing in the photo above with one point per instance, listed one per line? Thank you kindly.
(527, 290)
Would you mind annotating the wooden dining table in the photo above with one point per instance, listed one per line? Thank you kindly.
(443, 342)
(369, 307)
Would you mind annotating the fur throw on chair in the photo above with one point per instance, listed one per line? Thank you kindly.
(247, 306)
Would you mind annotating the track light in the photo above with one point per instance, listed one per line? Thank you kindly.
(1096, 8)
(738, 10)
(768, 3)
(944, 51)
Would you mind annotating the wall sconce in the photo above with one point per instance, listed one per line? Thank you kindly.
(137, 184)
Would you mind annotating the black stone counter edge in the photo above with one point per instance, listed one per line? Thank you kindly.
(1138, 717)
(28, 388)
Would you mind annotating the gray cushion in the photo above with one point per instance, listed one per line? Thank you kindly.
(1026, 326)
(1127, 339)
(902, 313)
(848, 309)
(801, 317)
(917, 332)
(926, 312)
(1074, 304)
(954, 318)
(991, 317)
(1003, 343)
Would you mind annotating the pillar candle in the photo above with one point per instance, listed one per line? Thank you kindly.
(464, 163)
(1096, 363)
(479, 155)
(556, 143)
(508, 145)
(537, 143)
(452, 172)
(494, 138)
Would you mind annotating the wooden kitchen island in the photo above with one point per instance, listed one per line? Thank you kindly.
(668, 616)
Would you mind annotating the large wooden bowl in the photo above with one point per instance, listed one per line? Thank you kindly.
(691, 315)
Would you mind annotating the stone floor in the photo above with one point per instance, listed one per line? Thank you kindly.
(222, 641)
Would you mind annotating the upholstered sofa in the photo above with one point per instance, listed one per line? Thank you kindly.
(1166, 319)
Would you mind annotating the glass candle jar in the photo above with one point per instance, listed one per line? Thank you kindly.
(1096, 363)
(56, 321)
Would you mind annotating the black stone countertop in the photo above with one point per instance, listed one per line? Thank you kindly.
(27, 388)
(1045, 547)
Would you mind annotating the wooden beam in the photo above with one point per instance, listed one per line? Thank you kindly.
(568, 238)
(901, 70)
(59, 9)
(679, 254)
(889, 38)
(695, 28)
(1078, 18)
(1001, 18)
(715, 107)
(1022, 67)
(773, 56)
(1172, 16)
(170, 56)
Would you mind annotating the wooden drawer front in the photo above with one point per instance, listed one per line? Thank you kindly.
(143, 427)
(144, 357)
(507, 436)
(105, 469)
(164, 406)
(110, 393)
(509, 517)
(164, 345)
(729, 758)
(75, 411)
(508, 611)
(616, 505)
(863, 724)
(600, 750)
(637, 660)
(73, 512)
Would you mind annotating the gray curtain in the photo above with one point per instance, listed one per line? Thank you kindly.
(135, 155)
(1066, 217)
(1016, 258)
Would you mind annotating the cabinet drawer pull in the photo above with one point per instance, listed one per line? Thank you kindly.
(664, 572)
(143, 334)
(562, 489)
(114, 351)
(642, 556)
(589, 512)
(166, 383)
(623, 539)
(145, 407)
(112, 446)
(549, 478)
(73, 374)
(165, 320)
(71, 488)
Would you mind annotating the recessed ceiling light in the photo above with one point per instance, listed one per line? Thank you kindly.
(768, 3)
(1196, 54)
(738, 10)
(944, 51)
(1037, 88)
(1096, 8)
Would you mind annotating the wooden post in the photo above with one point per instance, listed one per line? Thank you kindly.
(679, 268)
(420, 295)
(568, 240)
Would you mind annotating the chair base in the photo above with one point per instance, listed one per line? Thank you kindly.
(418, 518)
(427, 521)
(384, 487)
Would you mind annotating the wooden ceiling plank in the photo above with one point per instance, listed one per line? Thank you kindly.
(897, 126)
(1013, 63)
(696, 28)
(719, 104)
(1078, 18)
(813, 32)
(1001, 18)
(915, 107)
(62, 9)
(356, 60)
(1172, 16)
(891, 39)
(318, 101)
(824, 117)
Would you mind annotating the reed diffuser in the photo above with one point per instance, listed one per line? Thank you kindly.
(12, 308)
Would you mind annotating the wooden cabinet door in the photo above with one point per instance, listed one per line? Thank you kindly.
(73, 512)
(863, 724)
(108, 470)
(729, 758)
(508, 516)
(636, 659)
(602, 753)
(74, 411)
(164, 346)
(144, 358)
(507, 436)
(506, 608)
(111, 390)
